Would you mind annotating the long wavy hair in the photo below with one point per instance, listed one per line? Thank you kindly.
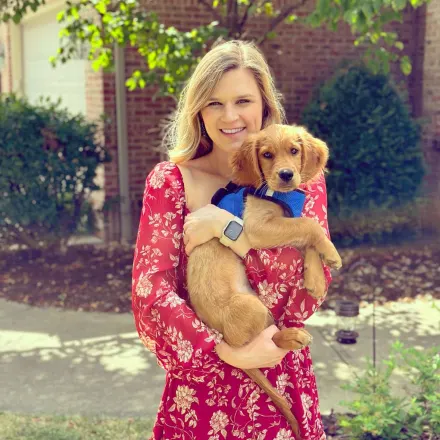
(184, 138)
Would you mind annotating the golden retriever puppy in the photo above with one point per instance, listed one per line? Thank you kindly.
(283, 157)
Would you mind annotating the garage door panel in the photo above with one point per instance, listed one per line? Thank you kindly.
(66, 81)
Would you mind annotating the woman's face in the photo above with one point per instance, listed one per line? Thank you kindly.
(234, 110)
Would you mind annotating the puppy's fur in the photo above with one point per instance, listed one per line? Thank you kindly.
(284, 156)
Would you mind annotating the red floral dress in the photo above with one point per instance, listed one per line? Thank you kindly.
(205, 398)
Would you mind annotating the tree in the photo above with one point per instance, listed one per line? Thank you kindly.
(170, 55)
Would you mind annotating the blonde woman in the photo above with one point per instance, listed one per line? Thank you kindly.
(206, 396)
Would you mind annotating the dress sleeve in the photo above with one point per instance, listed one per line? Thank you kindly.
(166, 324)
(277, 273)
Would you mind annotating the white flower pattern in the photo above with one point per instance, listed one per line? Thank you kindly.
(203, 396)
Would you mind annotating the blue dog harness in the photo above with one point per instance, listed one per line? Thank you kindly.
(233, 197)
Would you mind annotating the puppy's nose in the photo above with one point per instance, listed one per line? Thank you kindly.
(286, 175)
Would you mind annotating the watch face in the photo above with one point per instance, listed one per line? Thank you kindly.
(233, 230)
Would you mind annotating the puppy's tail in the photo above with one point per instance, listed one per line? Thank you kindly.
(280, 402)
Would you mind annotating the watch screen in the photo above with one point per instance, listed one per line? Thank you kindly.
(233, 231)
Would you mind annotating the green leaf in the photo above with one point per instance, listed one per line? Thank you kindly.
(268, 9)
(405, 65)
(101, 7)
(399, 5)
(271, 35)
(291, 18)
(17, 17)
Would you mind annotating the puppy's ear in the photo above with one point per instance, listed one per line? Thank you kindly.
(314, 155)
(245, 165)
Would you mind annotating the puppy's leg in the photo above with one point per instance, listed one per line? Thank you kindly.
(273, 231)
(314, 279)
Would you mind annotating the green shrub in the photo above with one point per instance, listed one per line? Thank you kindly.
(375, 155)
(48, 160)
(380, 225)
(380, 415)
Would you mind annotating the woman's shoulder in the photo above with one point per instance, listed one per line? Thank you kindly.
(165, 176)
(165, 170)
(181, 171)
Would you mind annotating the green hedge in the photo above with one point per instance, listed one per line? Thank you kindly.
(48, 160)
(376, 163)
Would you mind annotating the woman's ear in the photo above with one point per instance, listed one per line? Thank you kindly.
(245, 165)
(314, 155)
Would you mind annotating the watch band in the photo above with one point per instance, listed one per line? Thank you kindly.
(225, 240)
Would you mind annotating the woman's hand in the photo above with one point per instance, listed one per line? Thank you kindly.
(259, 353)
(203, 225)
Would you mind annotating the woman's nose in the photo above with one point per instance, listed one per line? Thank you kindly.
(229, 113)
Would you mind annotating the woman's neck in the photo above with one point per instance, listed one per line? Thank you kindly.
(219, 163)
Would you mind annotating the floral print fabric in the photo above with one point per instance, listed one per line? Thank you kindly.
(205, 398)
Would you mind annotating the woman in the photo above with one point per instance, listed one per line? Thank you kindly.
(206, 396)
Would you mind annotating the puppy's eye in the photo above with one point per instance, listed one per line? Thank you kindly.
(268, 155)
(294, 151)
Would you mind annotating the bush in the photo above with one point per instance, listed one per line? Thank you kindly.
(48, 160)
(375, 155)
(380, 415)
(381, 225)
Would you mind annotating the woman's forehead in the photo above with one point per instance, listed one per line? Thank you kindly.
(237, 83)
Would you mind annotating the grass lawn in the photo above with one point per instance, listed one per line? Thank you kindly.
(29, 427)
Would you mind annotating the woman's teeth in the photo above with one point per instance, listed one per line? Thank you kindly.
(234, 130)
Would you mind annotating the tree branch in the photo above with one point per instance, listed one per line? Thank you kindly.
(214, 12)
(234, 18)
(245, 16)
(286, 11)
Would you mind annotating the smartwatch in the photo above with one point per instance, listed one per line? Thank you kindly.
(232, 231)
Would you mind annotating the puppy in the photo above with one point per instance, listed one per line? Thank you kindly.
(283, 157)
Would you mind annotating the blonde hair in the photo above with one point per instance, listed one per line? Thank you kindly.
(184, 138)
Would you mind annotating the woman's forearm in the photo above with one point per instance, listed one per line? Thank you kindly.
(242, 245)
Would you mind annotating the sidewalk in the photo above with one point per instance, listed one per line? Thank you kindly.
(55, 361)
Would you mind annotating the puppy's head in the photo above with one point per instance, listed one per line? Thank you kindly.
(281, 155)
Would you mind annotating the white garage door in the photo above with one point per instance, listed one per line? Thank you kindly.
(66, 81)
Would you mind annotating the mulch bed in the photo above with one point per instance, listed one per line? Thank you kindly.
(92, 278)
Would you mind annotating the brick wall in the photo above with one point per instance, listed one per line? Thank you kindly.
(300, 58)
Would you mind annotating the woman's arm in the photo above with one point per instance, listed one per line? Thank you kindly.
(207, 223)
(164, 321)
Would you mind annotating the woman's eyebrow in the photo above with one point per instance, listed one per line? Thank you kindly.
(249, 95)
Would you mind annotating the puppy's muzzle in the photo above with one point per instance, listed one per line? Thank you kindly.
(285, 175)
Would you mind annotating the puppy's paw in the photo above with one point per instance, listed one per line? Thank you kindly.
(314, 278)
(292, 338)
(315, 284)
(329, 254)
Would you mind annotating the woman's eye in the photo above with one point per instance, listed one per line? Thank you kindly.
(268, 155)
(213, 103)
(294, 151)
(243, 101)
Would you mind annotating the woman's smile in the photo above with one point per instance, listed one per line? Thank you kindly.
(231, 132)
